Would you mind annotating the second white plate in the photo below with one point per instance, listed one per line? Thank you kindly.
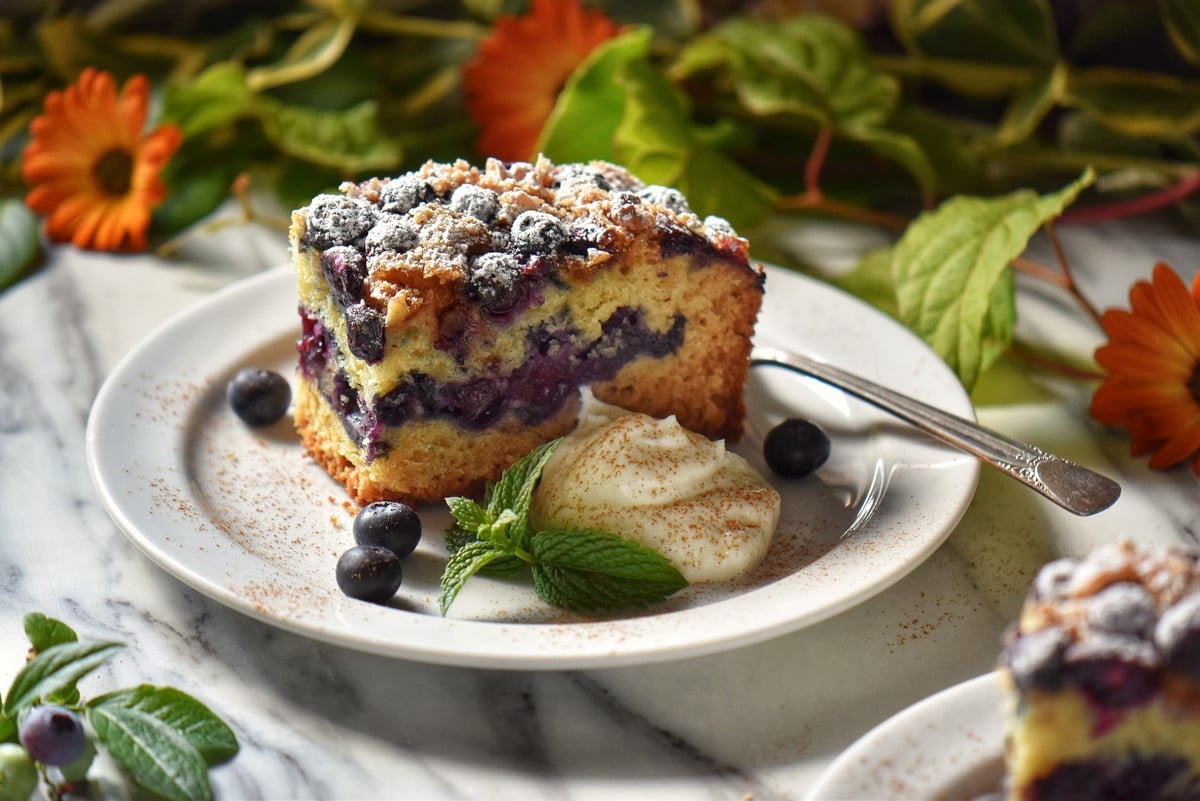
(948, 747)
(248, 519)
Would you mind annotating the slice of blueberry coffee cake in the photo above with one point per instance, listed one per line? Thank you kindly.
(1103, 675)
(451, 315)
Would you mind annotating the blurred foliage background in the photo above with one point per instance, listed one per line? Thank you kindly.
(956, 127)
(923, 98)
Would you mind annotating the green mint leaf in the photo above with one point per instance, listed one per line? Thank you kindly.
(951, 268)
(46, 632)
(514, 491)
(468, 515)
(8, 729)
(457, 537)
(589, 107)
(593, 571)
(55, 671)
(464, 563)
(151, 751)
(19, 244)
(206, 732)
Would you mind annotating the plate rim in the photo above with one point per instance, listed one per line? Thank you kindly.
(982, 693)
(602, 652)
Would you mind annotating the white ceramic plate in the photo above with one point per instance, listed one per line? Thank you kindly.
(245, 517)
(948, 747)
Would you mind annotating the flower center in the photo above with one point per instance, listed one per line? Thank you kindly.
(114, 172)
(1194, 382)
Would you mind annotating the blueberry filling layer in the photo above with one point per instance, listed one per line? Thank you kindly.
(1143, 778)
(557, 362)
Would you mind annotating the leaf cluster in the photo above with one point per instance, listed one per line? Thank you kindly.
(163, 739)
(934, 98)
(579, 570)
(885, 120)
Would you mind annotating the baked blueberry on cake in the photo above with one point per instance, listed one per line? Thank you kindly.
(1103, 674)
(451, 315)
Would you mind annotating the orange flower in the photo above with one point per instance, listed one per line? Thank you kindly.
(92, 172)
(516, 75)
(1152, 360)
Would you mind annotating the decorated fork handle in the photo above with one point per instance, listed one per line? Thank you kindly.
(1071, 486)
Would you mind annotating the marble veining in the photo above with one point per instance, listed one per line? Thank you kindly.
(322, 722)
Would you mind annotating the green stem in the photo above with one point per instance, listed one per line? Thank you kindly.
(383, 22)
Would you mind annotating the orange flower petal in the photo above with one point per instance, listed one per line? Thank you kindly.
(1180, 447)
(1151, 360)
(1178, 308)
(1141, 363)
(79, 126)
(513, 81)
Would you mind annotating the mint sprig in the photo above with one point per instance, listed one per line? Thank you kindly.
(163, 739)
(579, 570)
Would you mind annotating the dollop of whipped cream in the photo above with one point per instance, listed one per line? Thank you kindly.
(654, 482)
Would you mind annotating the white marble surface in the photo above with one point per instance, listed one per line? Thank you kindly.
(317, 721)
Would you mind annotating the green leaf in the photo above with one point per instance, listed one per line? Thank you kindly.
(1182, 21)
(1031, 105)
(349, 140)
(951, 267)
(213, 99)
(457, 538)
(1009, 382)
(19, 245)
(153, 753)
(657, 142)
(903, 150)
(56, 670)
(948, 145)
(462, 565)
(594, 571)
(1137, 103)
(591, 104)
(514, 491)
(206, 732)
(1079, 133)
(468, 515)
(807, 65)
(193, 194)
(871, 280)
(1006, 32)
(46, 632)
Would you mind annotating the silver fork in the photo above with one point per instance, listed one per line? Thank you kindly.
(1071, 486)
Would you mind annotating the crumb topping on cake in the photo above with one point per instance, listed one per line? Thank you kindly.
(1133, 607)
(456, 303)
(1103, 676)
(441, 218)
